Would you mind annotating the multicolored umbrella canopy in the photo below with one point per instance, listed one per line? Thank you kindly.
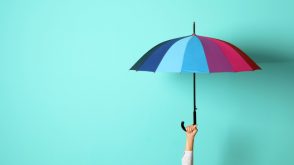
(195, 54)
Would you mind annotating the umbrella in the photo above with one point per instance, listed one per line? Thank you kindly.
(195, 54)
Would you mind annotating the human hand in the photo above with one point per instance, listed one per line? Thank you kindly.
(191, 131)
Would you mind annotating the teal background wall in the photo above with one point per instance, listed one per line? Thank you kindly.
(67, 96)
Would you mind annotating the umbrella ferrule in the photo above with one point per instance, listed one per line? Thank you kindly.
(194, 29)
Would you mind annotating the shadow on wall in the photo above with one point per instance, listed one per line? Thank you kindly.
(267, 55)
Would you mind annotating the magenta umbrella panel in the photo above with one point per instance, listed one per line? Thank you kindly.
(195, 54)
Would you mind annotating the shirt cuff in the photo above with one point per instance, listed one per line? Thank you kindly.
(188, 153)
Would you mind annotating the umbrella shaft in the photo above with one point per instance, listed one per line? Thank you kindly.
(194, 99)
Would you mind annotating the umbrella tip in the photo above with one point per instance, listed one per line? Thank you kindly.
(194, 28)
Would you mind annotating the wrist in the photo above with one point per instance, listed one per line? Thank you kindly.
(190, 138)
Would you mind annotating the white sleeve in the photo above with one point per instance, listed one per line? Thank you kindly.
(187, 158)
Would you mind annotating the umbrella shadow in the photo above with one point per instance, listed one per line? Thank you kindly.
(260, 55)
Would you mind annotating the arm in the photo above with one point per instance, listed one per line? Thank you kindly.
(188, 154)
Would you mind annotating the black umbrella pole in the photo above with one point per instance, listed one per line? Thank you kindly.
(194, 99)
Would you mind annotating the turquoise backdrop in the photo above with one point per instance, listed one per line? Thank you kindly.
(68, 98)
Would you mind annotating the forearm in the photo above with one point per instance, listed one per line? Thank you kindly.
(188, 154)
(189, 144)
